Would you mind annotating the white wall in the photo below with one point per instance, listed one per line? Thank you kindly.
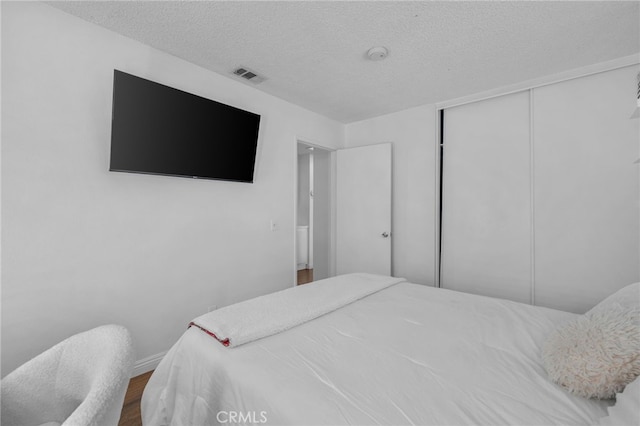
(413, 134)
(83, 246)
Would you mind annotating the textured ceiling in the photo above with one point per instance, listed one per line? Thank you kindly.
(314, 53)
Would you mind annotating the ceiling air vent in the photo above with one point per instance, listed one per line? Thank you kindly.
(248, 75)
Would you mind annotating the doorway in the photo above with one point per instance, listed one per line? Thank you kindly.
(313, 213)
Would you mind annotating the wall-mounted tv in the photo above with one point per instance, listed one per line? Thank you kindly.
(156, 129)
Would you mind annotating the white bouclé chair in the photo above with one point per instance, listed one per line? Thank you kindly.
(80, 381)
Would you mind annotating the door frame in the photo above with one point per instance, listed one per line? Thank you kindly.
(332, 204)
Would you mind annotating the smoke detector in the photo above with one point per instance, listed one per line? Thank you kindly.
(249, 75)
(377, 53)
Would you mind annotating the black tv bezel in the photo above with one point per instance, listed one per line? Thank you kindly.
(255, 155)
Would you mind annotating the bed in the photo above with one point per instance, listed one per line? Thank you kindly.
(404, 354)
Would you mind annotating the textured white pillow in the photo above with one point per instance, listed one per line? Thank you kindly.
(626, 412)
(628, 296)
(597, 354)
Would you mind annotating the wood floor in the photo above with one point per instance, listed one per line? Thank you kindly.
(305, 276)
(131, 408)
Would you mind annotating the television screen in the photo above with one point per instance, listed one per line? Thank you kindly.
(157, 129)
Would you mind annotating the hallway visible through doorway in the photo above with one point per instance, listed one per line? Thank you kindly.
(313, 213)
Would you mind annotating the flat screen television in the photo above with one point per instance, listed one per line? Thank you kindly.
(156, 129)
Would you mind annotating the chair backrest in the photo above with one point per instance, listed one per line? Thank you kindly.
(80, 381)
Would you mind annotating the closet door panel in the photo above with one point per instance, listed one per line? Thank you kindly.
(586, 189)
(486, 217)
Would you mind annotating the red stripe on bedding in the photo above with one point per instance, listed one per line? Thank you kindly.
(225, 342)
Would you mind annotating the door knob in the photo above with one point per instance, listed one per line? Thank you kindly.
(385, 235)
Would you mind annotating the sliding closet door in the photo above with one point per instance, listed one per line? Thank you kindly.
(586, 189)
(486, 206)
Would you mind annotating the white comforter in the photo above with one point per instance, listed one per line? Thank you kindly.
(409, 354)
(274, 313)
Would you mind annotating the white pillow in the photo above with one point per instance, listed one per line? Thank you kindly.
(597, 354)
(628, 297)
(626, 412)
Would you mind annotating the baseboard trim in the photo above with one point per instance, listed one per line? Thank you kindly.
(147, 364)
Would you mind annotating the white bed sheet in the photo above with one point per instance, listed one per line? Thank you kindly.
(409, 354)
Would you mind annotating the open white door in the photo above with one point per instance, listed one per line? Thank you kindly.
(363, 209)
